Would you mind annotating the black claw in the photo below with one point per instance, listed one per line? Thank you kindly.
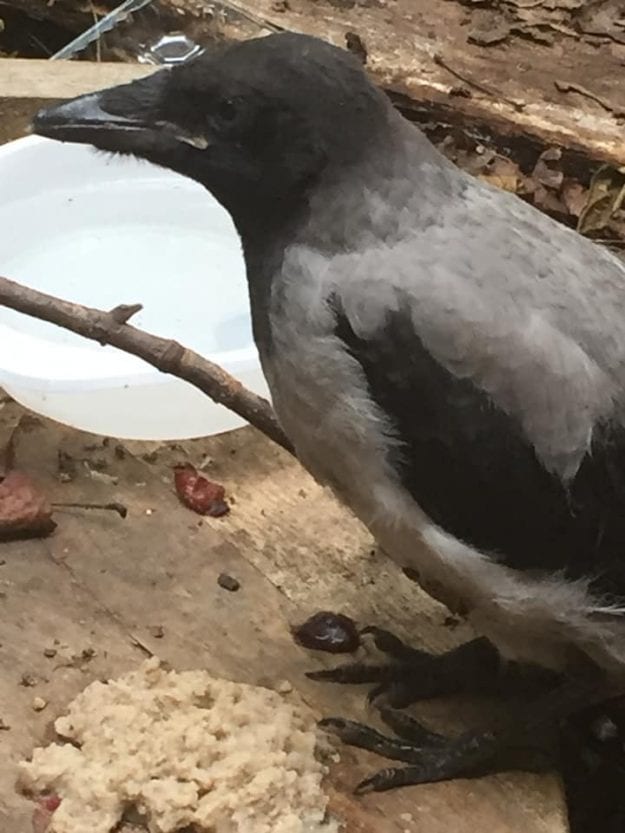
(333, 723)
(364, 787)
(385, 779)
(364, 737)
(387, 642)
(353, 673)
(410, 729)
(350, 732)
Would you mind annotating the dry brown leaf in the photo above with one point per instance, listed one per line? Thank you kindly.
(545, 171)
(503, 173)
(547, 201)
(605, 197)
(551, 154)
(24, 510)
(574, 196)
(506, 183)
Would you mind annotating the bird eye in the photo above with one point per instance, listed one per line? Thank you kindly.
(227, 110)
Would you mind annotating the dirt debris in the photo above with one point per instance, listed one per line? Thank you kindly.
(198, 493)
(228, 582)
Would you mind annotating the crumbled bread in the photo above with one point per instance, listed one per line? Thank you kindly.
(183, 749)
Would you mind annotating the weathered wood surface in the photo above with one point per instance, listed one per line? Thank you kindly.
(101, 583)
(27, 84)
(404, 38)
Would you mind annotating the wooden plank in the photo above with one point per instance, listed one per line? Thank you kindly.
(404, 39)
(29, 78)
(28, 84)
(102, 583)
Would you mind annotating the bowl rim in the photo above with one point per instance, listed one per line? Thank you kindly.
(240, 360)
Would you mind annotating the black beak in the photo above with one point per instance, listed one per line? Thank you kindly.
(123, 119)
(83, 119)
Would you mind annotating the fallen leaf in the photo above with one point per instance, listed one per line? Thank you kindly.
(198, 493)
(502, 173)
(551, 154)
(574, 196)
(545, 171)
(547, 201)
(506, 183)
(617, 225)
(24, 511)
(605, 197)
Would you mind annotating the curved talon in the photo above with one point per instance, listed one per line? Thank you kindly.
(351, 732)
(364, 787)
(407, 727)
(353, 673)
(380, 781)
(386, 641)
(332, 723)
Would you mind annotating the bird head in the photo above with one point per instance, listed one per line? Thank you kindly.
(258, 123)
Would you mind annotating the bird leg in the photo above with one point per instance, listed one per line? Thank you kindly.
(413, 674)
(528, 744)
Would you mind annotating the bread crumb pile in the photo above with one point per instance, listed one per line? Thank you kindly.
(184, 749)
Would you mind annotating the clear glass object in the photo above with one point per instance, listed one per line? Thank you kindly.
(172, 48)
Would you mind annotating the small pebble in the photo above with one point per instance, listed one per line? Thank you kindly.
(284, 687)
(28, 680)
(406, 817)
(156, 631)
(228, 582)
(39, 704)
(49, 652)
(326, 631)
(4, 727)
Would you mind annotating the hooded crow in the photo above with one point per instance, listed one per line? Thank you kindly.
(450, 361)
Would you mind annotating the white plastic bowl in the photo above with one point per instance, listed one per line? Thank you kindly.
(103, 231)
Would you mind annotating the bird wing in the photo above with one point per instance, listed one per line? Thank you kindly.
(498, 358)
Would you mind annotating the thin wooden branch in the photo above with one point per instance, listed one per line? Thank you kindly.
(166, 355)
